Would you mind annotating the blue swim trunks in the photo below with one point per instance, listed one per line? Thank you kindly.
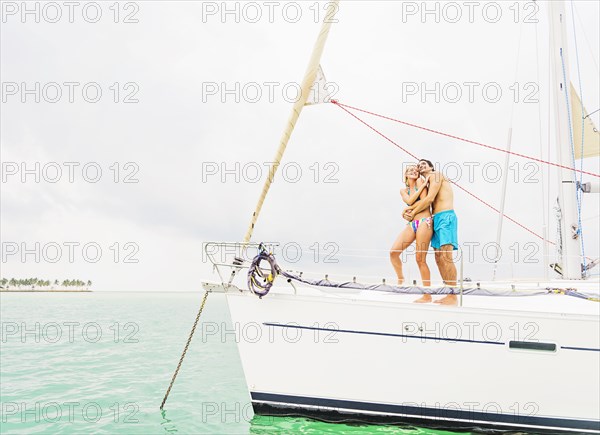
(445, 229)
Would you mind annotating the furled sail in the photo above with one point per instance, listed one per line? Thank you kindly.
(309, 80)
(591, 135)
(319, 92)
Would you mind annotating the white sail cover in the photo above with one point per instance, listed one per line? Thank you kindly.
(318, 92)
(591, 135)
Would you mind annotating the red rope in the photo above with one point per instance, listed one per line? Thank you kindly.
(499, 212)
(375, 130)
(344, 106)
(341, 106)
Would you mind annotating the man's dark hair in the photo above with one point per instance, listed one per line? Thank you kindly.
(428, 162)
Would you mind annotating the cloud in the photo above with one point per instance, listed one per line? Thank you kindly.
(176, 131)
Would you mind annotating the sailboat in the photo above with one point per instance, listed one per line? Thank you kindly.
(516, 356)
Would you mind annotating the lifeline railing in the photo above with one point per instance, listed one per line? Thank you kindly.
(238, 256)
(249, 250)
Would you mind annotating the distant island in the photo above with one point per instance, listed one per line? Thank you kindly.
(40, 285)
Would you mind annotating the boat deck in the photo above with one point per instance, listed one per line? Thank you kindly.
(526, 297)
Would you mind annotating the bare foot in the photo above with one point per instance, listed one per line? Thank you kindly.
(400, 281)
(423, 299)
(448, 300)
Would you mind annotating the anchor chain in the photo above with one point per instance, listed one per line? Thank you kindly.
(185, 349)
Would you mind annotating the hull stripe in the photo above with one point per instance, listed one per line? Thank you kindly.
(580, 348)
(429, 413)
(384, 334)
(414, 337)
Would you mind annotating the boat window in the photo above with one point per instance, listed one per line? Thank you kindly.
(532, 345)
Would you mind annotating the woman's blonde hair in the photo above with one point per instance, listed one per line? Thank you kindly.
(405, 176)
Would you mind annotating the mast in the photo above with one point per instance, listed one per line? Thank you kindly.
(560, 87)
(307, 82)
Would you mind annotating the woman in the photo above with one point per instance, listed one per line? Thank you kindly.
(420, 229)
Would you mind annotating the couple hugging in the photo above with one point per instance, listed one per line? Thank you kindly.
(431, 220)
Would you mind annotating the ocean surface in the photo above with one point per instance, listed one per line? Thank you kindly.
(73, 363)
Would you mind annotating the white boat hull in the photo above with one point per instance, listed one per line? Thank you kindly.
(388, 359)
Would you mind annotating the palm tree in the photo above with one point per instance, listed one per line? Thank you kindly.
(42, 284)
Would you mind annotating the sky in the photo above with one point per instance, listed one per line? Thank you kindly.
(133, 134)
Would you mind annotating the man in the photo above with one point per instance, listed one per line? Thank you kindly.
(445, 229)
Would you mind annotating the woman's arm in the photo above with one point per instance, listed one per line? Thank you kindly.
(410, 199)
(435, 183)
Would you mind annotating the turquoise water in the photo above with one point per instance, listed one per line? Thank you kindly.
(101, 362)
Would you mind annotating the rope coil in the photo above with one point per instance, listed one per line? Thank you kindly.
(258, 282)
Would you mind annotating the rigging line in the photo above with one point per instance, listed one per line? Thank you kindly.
(507, 156)
(336, 102)
(579, 192)
(512, 107)
(550, 99)
(453, 182)
(571, 140)
(586, 39)
(545, 211)
(589, 114)
(503, 214)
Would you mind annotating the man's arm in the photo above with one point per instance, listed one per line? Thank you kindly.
(435, 183)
